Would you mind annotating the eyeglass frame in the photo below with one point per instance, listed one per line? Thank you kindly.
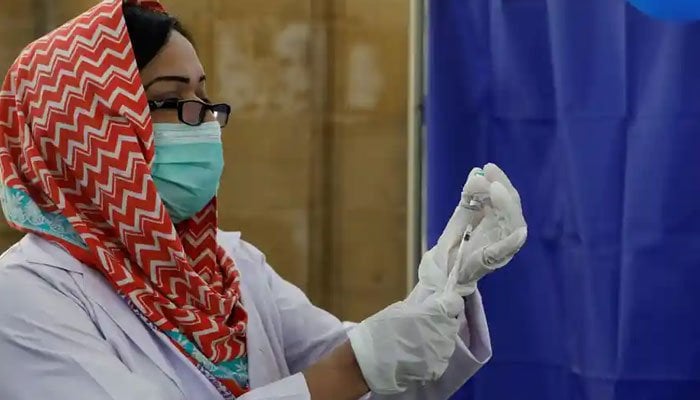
(176, 104)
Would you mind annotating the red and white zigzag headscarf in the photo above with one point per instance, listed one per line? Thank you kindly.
(76, 146)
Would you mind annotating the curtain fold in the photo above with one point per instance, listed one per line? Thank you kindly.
(593, 109)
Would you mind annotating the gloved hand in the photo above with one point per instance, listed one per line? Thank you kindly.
(499, 231)
(407, 343)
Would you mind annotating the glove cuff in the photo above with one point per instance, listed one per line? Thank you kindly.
(379, 379)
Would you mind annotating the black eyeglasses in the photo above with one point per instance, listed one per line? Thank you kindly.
(193, 112)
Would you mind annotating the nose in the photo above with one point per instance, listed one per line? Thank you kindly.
(209, 116)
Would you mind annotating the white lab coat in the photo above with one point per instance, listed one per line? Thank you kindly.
(65, 334)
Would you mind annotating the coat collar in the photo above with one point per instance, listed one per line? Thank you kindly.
(98, 291)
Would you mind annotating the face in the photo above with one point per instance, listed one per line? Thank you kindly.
(175, 73)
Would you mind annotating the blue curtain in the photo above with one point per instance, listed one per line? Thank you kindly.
(593, 109)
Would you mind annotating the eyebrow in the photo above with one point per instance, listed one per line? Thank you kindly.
(172, 78)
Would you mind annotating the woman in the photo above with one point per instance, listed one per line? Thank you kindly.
(123, 288)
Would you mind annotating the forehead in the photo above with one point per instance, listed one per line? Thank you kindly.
(177, 57)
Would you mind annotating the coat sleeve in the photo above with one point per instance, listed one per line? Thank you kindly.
(309, 333)
(51, 349)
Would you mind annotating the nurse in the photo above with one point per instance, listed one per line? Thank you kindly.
(124, 288)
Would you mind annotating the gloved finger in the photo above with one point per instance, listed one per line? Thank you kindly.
(438, 369)
(476, 183)
(462, 217)
(452, 279)
(475, 195)
(454, 283)
(456, 225)
(495, 254)
(451, 303)
(430, 274)
(446, 350)
(465, 289)
(464, 214)
(506, 207)
(489, 258)
(495, 174)
(475, 190)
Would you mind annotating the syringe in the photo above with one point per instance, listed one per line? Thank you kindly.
(476, 204)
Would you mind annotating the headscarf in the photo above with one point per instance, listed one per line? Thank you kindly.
(76, 147)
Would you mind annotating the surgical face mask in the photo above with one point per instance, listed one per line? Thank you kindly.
(187, 166)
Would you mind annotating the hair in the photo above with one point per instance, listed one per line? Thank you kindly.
(149, 31)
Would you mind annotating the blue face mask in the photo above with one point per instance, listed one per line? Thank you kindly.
(187, 166)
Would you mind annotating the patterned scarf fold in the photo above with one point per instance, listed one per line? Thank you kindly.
(76, 146)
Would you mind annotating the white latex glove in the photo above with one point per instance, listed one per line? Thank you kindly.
(407, 343)
(499, 231)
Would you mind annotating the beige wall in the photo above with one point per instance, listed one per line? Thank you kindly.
(17, 28)
(316, 150)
